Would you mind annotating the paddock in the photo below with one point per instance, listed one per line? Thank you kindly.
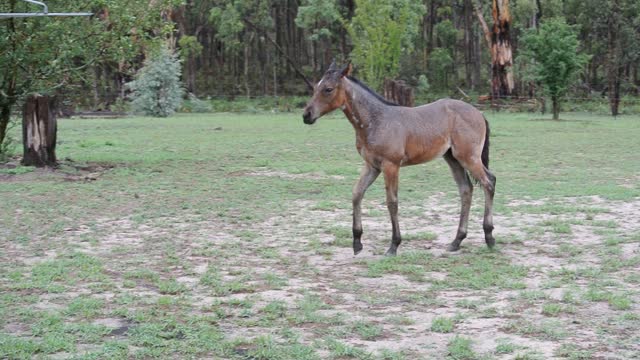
(228, 236)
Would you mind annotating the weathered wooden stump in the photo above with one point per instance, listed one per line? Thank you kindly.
(39, 128)
(399, 92)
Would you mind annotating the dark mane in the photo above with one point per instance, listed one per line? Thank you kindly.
(367, 89)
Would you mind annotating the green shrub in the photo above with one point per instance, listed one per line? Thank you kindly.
(7, 147)
(423, 85)
(121, 106)
(195, 105)
(157, 90)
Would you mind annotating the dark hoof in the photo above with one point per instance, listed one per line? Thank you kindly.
(453, 247)
(491, 242)
(357, 248)
(391, 252)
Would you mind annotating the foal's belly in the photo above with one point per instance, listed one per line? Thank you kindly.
(418, 152)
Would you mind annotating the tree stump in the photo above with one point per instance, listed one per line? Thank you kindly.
(39, 128)
(399, 92)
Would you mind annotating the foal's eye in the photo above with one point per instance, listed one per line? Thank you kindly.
(328, 90)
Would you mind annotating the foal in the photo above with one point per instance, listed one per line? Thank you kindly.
(389, 136)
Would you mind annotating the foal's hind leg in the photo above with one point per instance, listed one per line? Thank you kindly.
(367, 176)
(488, 182)
(466, 193)
(487, 223)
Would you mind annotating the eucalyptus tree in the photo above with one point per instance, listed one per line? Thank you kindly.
(239, 22)
(499, 43)
(381, 31)
(322, 21)
(610, 31)
(557, 61)
(441, 59)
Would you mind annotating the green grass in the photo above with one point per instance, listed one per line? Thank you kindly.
(552, 309)
(505, 346)
(442, 325)
(171, 286)
(545, 329)
(341, 350)
(85, 307)
(229, 236)
(459, 348)
(573, 352)
(367, 330)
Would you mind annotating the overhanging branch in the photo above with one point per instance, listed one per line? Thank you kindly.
(282, 52)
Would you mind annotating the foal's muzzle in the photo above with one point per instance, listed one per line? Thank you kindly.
(306, 117)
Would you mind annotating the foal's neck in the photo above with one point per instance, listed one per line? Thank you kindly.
(361, 108)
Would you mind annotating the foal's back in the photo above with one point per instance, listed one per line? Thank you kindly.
(431, 130)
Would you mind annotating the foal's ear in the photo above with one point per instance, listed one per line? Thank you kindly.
(333, 66)
(347, 69)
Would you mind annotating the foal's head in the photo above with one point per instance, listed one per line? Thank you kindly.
(328, 95)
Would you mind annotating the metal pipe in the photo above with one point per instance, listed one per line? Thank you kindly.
(22, 15)
(45, 12)
(45, 9)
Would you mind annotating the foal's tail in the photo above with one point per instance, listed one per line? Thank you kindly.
(485, 148)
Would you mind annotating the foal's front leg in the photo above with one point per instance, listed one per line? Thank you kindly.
(391, 172)
(368, 175)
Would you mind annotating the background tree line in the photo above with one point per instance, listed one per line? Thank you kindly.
(280, 47)
(266, 47)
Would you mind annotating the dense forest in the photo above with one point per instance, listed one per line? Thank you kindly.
(252, 48)
(269, 47)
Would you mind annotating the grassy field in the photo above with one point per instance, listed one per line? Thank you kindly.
(228, 237)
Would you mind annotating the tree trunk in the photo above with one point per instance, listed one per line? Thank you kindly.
(5, 117)
(425, 48)
(614, 92)
(8, 87)
(189, 74)
(39, 128)
(343, 42)
(499, 42)
(613, 60)
(477, 60)
(282, 53)
(399, 92)
(468, 49)
(350, 6)
(555, 107)
(96, 86)
(275, 77)
(247, 44)
(502, 74)
(432, 21)
(264, 59)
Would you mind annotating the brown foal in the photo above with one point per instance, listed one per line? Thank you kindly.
(389, 136)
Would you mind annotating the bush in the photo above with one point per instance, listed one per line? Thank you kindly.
(440, 64)
(8, 146)
(157, 90)
(260, 104)
(120, 106)
(195, 105)
(423, 85)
